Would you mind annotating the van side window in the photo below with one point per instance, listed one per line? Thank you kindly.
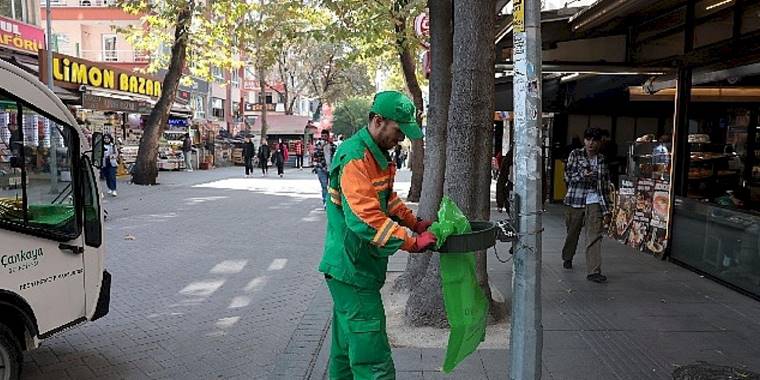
(93, 229)
(36, 172)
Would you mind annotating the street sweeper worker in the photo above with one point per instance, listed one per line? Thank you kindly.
(366, 223)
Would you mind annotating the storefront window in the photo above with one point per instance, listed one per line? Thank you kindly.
(720, 241)
(724, 160)
(717, 222)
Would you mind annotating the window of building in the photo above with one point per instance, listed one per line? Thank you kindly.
(15, 9)
(36, 172)
(236, 111)
(200, 107)
(218, 74)
(217, 107)
(236, 78)
(62, 44)
(109, 48)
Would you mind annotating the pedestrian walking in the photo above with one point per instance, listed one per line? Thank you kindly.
(110, 163)
(279, 157)
(321, 158)
(398, 158)
(249, 150)
(187, 152)
(362, 233)
(264, 155)
(588, 192)
(299, 154)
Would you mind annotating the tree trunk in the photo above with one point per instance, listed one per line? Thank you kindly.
(425, 304)
(470, 140)
(291, 105)
(228, 111)
(286, 98)
(417, 160)
(409, 68)
(146, 167)
(263, 101)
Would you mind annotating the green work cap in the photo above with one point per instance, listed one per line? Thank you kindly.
(393, 105)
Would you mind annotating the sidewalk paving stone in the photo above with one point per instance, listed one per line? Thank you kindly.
(651, 317)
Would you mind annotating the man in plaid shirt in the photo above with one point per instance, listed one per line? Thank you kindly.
(588, 178)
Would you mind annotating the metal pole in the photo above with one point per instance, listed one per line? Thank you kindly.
(527, 333)
(53, 153)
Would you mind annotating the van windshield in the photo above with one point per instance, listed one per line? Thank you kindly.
(36, 188)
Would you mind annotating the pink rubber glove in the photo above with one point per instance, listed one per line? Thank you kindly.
(424, 242)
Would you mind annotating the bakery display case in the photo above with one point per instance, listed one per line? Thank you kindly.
(649, 160)
(713, 168)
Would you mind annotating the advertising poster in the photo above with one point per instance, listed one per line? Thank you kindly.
(658, 232)
(642, 215)
(624, 209)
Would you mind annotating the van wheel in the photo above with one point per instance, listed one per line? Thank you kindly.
(10, 355)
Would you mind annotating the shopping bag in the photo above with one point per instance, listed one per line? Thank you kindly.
(466, 305)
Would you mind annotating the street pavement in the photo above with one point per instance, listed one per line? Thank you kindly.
(214, 276)
(651, 318)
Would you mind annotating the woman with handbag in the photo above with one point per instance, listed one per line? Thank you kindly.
(110, 162)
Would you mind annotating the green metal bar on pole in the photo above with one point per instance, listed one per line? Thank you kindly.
(526, 341)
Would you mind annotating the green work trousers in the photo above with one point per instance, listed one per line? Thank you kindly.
(360, 348)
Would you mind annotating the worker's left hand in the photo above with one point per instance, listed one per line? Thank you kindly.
(422, 226)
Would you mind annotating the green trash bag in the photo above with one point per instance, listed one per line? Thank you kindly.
(466, 305)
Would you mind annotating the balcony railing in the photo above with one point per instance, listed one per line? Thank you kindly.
(80, 3)
(130, 56)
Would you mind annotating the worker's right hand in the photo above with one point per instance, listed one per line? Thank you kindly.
(424, 242)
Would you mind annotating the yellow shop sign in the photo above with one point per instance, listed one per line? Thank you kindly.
(74, 72)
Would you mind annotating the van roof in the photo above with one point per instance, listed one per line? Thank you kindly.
(28, 88)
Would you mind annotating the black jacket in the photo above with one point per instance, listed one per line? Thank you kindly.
(249, 150)
(278, 157)
(187, 145)
(264, 152)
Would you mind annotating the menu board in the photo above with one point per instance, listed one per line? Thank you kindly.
(657, 239)
(623, 215)
(642, 213)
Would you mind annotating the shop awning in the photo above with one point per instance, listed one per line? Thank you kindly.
(282, 125)
(699, 94)
(178, 109)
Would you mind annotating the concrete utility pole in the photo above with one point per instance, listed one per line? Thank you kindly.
(527, 333)
(52, 130)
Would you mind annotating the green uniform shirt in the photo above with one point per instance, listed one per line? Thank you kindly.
(365, 217)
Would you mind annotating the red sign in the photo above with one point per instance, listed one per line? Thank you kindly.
(422, 25)
(19, 36)
(250, 84)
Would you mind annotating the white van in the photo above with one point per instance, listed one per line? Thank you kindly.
(52, 272)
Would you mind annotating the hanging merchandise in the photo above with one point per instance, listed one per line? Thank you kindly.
(466, 305)
(31, 129)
